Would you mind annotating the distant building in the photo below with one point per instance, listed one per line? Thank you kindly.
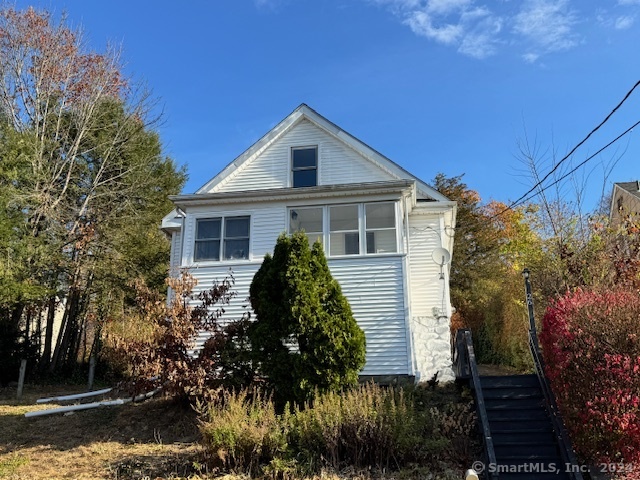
(625, 200)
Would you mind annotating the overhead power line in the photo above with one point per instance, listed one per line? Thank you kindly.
(581, 164)
(528, 194)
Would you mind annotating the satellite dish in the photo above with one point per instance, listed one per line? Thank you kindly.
(441, 256)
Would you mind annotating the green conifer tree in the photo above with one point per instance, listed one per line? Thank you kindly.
(305, 336)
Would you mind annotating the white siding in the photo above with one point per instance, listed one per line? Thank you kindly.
(267, 222)
(426, 286)
(429, 331)
(373, 287)
(271, 168)
(242, 275)
(174, 261)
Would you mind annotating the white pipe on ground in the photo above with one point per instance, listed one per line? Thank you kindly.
(75, 396)
(73, 408)
(87, 406)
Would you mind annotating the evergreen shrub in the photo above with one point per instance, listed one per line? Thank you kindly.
(304, 337)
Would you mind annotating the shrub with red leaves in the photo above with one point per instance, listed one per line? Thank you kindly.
(591, 346)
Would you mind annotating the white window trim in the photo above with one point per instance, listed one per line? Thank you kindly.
(221, 216)
(362, 231)
(302, 147)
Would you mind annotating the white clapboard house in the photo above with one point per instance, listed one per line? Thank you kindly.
(387, 236)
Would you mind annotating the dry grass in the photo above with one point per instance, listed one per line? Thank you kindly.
(153, 440)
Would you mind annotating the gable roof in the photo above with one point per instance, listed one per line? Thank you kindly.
(630, 187)
(305, 112)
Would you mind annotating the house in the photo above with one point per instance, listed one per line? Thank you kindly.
(386, 233)
(625, 200)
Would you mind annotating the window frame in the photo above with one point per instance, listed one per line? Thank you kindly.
(294, 169)
(363, 232)
(223, 238)
(372, 230)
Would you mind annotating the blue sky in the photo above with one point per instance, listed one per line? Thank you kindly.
(451, 86)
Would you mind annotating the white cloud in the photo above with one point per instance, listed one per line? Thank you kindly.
(462, 23)
(423, 24)
(628, 2)
(482, 41)
(624, 22)
(547, 23)
(477, 29)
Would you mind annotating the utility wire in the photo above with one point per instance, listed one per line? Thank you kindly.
(527, 195)
(573, 170)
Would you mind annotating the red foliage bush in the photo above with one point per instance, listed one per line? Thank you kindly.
(591, 347)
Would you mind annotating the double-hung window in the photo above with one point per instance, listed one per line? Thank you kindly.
(304, 166)
(222, 237)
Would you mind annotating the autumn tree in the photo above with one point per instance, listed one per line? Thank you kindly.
(492, 246)
(304, 336)
(87, 167)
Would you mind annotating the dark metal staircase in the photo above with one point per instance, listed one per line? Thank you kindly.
(522, 431)
(523, 436)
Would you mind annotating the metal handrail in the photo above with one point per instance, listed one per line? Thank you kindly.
(466, 368)
(562, 437)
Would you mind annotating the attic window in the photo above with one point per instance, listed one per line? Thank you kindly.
(304, 166)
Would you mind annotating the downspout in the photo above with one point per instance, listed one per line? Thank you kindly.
(183, 216)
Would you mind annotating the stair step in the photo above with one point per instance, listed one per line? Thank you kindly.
(509, 381)
(525, 450)
(511, 392)
(520, 425)
(514, 403)
(515, 414)
(521, 437)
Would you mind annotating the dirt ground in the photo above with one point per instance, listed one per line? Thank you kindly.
(154, 439)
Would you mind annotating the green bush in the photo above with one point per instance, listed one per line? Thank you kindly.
(304, 338)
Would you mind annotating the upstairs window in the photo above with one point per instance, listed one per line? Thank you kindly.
(304, 166)
(226, 238)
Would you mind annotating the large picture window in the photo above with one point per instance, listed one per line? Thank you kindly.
(223, 237)
(304, 166)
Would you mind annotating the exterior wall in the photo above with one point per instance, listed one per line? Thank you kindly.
(174, 261)
(429, 300)
(267, 222)
(374, 289)
(628, 202)
(337, 163)
(374, 285)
